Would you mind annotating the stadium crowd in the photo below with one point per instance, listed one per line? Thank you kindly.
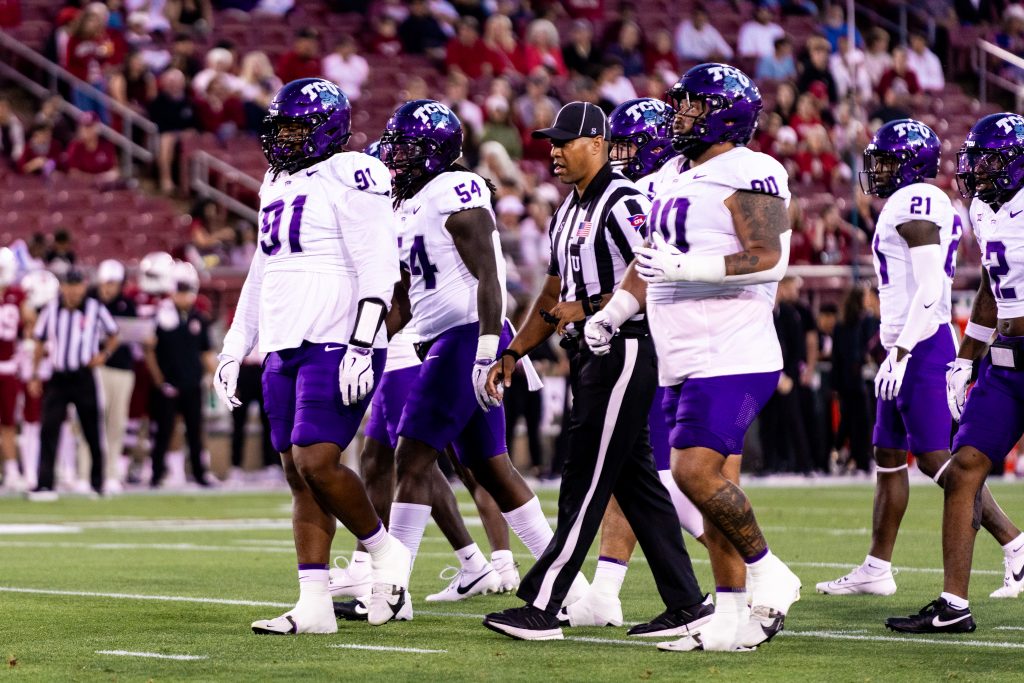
(505, 68)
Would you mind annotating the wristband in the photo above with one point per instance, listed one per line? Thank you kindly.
(368, 321)
(516, 356)
(621, 307)
(979, 332)
(487, 347)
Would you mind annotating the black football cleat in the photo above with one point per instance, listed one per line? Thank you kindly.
(350, 610)
(935, 617)
(677, 622)
(525, 623)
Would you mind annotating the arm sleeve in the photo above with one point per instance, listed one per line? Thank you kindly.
(241, 337)
(928, 273)
(626, 222)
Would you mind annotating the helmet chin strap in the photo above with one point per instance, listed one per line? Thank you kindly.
(690, 147)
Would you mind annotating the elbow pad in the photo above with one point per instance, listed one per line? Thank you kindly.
(928, 274)
(369, 318)
(773, 274)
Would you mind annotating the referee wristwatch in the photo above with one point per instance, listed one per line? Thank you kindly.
(592, 304)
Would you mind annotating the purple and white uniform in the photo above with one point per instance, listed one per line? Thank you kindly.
(442, 408)
(718, 353)
(327, 241)
(993, 418)
(401, 370)
(917, 419)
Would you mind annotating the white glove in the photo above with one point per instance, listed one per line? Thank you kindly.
(481, 368)
(355, 376)
(957, 378)
(890, 376)
(663, 262)
(598, 332)
(225, 382)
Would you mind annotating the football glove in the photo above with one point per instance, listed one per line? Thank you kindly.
(225, 382)
(957, 378)
(355, 375)
(598, 332)
(890, 375)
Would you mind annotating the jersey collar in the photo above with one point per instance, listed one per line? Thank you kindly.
(597, 186)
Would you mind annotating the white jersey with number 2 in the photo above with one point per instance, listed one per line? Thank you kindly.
(1001, 237)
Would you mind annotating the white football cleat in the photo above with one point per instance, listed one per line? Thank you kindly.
(351, 581)
(465, 585)
(593, 609)
(1013, 579)
(775, 587)
(763, 625)
(357, 610)
(579, 588)
(303, 618)
(860, 582)
(386, 602)
(112, 487)
(509, 571)
(722, 632)
(15, 483)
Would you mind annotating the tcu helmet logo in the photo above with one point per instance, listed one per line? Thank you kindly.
(1012, 124)
(913, 131)
(648, 110)
(327, 92)
(433, 113)
(732, 76)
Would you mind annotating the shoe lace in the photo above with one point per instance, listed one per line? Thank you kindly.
(450, 574)
(933, 607)
(341, 558)
(1007, 571)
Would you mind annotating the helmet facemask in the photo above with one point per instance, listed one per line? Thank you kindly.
(984, 173)
(881, 174)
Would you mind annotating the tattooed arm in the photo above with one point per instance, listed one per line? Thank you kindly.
(762, 226)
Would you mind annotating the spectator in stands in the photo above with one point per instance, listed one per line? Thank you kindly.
(190, 15)
(801, 244)
(220, 112)
(757, 36)
(697, 40)
(625, 13)
(456, 96)
(849, 354)
(613, 85)
(12, 134)
(498, 166)
(627, 50)
(877, 59)
(806, 116)
(42, 155)
(1011, 35)
(415, 89)
(139, 38)
(925, 64)
(384, 40)
(543, 110)
(183, 55)
(778, 66)
(134, 85)
(838, 239)
(90, 49)
(219, 63)
(785, 101)
(393, 9)
(500, 42)
(346, 67)
(974, 12)
(814, 66)
(849, 73)
(816, 164)
(303, 60)
(209, 235)
(466, 53)
(581, 55)
(849, 132)
(173, 111)
(498, 127)
(894, 106)
(660, 57)
(60, 255)
(537, 86)
(540, 49)
(259, 85)
(421, 32)
(834, 25)
(277, 8)
(90, 156)
(863, 214)
(900, 78)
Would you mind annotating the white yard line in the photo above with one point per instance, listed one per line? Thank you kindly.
(384, 648)
(1008, 628)
(841, 635)
(150, 655)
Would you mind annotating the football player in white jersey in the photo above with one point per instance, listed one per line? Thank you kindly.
(914, 247)
(315, 298)
(709, 291)
(641, 143)
(990, 171)
(455, 275)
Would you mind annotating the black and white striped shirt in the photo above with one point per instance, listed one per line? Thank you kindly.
(593, 236)
(73, 334)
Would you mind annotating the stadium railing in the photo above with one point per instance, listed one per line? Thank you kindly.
(990, 64)
(202, 183)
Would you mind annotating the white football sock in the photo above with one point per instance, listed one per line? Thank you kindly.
(11, 470)
(501, 556)
(471, 559)
(731, 602)
(609, 576)
(955, 601)
(758, 567)
(313, 579)
(530, 525)
(876, 567)
(1015, 547)
(359, 565)
(29, 446)
(408, 522)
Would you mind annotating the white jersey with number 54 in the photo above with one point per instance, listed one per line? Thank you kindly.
(1001, 237)
(326, 241)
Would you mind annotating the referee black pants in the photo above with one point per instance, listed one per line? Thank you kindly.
(188, 402)
(609, 453)
(77, 388)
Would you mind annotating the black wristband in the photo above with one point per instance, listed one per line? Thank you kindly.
(588, 309)
(591, 305)
(509, 352)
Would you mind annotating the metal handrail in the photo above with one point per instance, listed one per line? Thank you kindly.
(985, 47)
(58, 75)
(202, 163)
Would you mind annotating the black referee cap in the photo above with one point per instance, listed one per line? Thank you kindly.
(576, 120)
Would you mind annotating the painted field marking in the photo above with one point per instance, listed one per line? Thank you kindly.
(384, 648)
(150, 655)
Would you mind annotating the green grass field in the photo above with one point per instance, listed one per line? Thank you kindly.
(185, 575)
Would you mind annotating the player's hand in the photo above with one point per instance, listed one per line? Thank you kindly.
(225, 382)
(499, 377)
(567, 312)
(662, 262)
(35, 388)
(169, 390)
(355, 376)
(957, 378)
(599, 332)
(785, 384)
(481, 377)
(890, 375)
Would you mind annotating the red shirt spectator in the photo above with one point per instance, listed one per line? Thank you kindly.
(42, 153)
(899, 76)
(592, 10)
(541, 49)
(660, 55)
(500, 43)
(303, 60)
(88, 153)
(221, 111)
(384, 40)
(10, 13)
(467, 53)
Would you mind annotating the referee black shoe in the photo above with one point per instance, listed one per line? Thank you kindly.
(676, 622)
(935, 617)
(525, 623)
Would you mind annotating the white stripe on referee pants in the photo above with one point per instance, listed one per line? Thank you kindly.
(610, 419)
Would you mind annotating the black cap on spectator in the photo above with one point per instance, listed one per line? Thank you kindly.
(576, 120)
(72, 276)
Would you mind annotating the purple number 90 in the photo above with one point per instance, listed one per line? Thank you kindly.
(669, 217)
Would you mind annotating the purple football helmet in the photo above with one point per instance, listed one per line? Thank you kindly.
(731, 105)
(990, 165)
(373, 149)
(308, 120)
(901, 153)
(640, 132)
(422, 138)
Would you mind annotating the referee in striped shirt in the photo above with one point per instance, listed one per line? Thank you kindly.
(593, 235)
(70, 329)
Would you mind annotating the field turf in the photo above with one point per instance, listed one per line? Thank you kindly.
(184, 576)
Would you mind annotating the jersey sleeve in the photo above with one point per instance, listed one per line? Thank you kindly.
(458, 191)
(757, 172)
(360, 172)
(920, 202)
(245, 326)
(626, 221)
(370, 238)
